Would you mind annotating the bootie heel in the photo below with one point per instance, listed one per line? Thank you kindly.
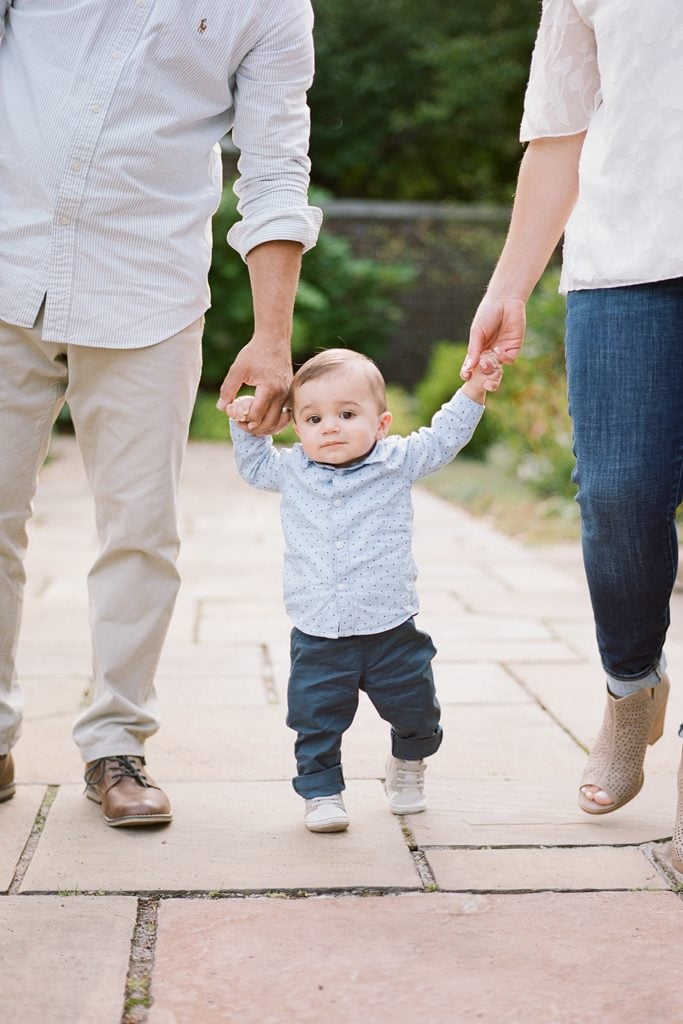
(677, 841)
(615, 764)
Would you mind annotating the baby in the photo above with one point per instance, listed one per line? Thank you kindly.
(349, 575)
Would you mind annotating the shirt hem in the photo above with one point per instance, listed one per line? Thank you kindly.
(365, 632)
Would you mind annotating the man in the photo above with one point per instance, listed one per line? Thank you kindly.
(110, 115)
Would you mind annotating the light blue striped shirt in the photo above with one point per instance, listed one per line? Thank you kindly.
(349, 567)
(110, 170)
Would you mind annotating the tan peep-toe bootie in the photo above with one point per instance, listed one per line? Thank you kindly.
(615, 765)
(677, 841)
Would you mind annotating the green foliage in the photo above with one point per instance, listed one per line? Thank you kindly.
(440, 382)
(342, 300)
(420, 100)
(530, 412)
(208, 424)
(526, 430)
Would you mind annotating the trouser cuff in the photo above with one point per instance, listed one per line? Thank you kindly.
(627, 687)
(416, 748)
(325, 783)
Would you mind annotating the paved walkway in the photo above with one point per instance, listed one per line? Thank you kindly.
(501, 903)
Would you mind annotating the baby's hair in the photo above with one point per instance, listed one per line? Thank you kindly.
(333, 359)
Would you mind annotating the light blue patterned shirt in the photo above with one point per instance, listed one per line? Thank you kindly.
(349, 566)
(110, 116)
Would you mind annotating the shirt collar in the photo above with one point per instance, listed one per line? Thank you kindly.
(378, 453)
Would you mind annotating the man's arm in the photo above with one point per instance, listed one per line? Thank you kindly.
(271, 131)
(266, 362)
(547, 189)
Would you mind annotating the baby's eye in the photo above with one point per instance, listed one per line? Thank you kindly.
(347, 414)
(313, 419)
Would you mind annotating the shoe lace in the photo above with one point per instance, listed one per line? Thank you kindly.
(317, 800)
(410, 778)
(122, 768)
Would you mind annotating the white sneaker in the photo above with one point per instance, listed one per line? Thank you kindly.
(404, 785)
(326, 814)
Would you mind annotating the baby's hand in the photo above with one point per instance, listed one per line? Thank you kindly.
(486, 376)
(239, 410)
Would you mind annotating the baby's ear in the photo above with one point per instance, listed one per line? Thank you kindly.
(384, 424)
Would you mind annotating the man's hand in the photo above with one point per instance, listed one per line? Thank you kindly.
(267, 367)
(498, 326)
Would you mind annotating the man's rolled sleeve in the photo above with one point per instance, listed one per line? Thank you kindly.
(272, 130)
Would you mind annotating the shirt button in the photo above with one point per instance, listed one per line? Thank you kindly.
(337, 502)
(341, 586)
(64, 221)
(116, 55)
(339, 544)
(76, 166)
(95, 108)
(141, 3)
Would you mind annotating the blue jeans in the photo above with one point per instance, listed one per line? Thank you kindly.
(624, 350)
(394, 668)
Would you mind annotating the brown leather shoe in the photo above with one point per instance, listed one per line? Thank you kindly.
(126, 792)
(7, 787)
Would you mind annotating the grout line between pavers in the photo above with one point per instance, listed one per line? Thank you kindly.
(138, 989)
(520, 682)
(422, 865)
(31, 844)
(236, 894)
(541, 846)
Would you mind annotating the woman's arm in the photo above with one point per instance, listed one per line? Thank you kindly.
(547, 189)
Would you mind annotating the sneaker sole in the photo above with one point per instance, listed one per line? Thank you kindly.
(329, 826)
(408, 810)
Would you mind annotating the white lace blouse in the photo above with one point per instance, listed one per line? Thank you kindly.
(615, 68)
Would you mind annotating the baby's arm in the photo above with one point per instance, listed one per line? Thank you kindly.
(486, 376)
(256, 458)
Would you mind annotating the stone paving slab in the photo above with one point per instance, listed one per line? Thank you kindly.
(16, 821)
(212, 676)
(573, 870)
(252, 742)
(49, 696)
(189, 659)
(526, 959)
(64, 958)
(54, 659)
(46, 752)
(476, 682)
(225, 836)
(537, 812)
(486, 628)
(576, 698)
(237, 623)
(515, 741)
(506, 650)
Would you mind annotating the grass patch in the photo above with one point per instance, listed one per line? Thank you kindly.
(512, 506)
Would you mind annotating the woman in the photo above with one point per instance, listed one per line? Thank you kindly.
(604, 121)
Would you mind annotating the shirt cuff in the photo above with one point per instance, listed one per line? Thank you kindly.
(293, 225)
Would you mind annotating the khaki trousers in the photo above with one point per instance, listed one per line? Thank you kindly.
(131, 410)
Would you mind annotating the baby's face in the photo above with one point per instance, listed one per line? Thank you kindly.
(337, 417)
